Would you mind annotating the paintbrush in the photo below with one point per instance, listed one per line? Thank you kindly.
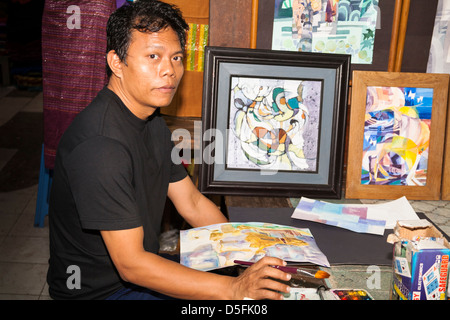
(318, 274)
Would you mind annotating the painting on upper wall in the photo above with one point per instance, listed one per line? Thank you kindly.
(327, 26)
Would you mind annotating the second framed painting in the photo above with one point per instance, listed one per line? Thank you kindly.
(273, 123)
(396, 135)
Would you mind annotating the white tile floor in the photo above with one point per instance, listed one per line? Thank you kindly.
(24, 248)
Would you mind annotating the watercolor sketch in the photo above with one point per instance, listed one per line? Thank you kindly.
(274, 124)
(439, 57)
(396, 136)
(217, 246)
(328, 26)
(357, 218)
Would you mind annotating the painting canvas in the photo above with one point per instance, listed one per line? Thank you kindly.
(328, 26)
(396, 136)
(274, 124)
(355, 218)
(439, 56)
(217, 246)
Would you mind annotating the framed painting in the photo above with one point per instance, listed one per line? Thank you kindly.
(382, 41)
(273, 123)
(446, 172)
(396, 135)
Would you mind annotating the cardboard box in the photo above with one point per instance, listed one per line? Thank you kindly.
(420, 261)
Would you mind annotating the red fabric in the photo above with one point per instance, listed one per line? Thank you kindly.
(73, 65)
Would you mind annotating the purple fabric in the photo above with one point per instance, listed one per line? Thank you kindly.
(120, 3)
(73, 63)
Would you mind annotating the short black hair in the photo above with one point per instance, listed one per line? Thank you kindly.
(143, 16)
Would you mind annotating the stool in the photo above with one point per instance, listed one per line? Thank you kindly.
(45, 182)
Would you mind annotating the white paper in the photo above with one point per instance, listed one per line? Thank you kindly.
(354, 218)
(390, 212)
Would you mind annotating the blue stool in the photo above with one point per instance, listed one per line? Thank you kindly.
(45, 182)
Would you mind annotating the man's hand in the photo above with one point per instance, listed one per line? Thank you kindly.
(260, 281)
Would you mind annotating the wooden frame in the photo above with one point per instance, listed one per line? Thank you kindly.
(364, 80)
(233, 171)
(446, 172)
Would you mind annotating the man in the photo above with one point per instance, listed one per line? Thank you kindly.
(113, 173)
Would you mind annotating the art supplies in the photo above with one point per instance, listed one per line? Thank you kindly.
(219, 245)
(320, 274)
(421, 261)
(323, 293)
(351, 294)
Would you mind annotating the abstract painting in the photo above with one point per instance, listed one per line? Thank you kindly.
(217, 246)
(396, 136)
(274, 124)
(352, 217)
(439, 57)
(328, 26)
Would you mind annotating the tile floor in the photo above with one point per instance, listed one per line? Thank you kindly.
(24, 248)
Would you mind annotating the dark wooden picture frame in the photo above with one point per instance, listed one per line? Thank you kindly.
(222, 66)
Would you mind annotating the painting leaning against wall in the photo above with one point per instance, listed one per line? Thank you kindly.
(396, 136)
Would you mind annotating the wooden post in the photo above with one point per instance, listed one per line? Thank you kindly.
(402, 35)
(394, 35)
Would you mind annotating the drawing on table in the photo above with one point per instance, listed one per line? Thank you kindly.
(355, 218)
(217, 246)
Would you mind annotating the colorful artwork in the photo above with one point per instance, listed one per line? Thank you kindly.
(217, 246)
(356, 218)
(197, 39)
(396, 136)
(328, 26)
(274, 123)
(439, 58)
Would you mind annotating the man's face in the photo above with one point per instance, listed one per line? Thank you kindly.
(153, 70)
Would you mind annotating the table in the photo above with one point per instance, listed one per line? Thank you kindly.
(375, 278)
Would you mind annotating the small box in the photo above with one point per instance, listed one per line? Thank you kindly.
(420, 261)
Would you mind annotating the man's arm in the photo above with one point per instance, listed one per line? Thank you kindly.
(193, 206)
(149, 270)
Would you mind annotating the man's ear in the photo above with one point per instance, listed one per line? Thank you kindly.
(115, 64)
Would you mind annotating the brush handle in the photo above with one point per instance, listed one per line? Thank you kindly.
(282, 268)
